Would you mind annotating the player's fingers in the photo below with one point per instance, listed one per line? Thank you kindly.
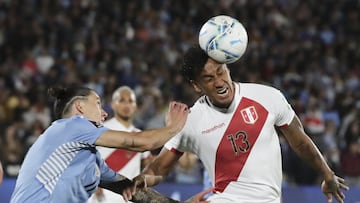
(341, 194)
(329, 197)
(145, 184)
(201, 194)
(171, 105)
(341, 180)
(133, 189)
(338, 198)
(179, 107)
(184, 108)
(127, 194)
(343, 186)
(125, 197)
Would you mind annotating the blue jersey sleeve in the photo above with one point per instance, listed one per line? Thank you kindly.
(85, 130)
(107, 174)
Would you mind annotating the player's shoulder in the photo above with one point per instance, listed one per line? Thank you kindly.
(258, 89)
(200, 103)
(260, 86)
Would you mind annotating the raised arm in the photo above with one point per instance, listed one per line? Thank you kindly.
(148, 139)
(304, 147)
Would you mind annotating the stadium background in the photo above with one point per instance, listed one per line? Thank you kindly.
(308, 49)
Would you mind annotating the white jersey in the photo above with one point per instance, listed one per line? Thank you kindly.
(239, 146)
(126, 163)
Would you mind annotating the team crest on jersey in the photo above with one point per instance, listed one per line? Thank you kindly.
(249, 115)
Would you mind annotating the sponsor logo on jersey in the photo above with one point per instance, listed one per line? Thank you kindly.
(213, 128)
(249, 115)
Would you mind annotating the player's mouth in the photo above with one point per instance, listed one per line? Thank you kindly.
(223, 92)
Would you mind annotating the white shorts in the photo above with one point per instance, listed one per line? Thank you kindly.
(109, 197)
(228, 198)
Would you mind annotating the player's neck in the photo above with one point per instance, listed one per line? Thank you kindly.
(125, 122)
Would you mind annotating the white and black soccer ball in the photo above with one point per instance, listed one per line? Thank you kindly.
(223, 38)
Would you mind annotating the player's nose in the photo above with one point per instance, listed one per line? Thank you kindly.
(104, 114)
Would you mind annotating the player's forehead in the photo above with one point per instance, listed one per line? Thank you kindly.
(125, 95)
(211, 67)
(94, 96)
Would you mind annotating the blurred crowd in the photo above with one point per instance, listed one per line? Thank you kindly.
(308, 49)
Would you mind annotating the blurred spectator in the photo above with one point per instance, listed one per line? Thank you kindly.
(331, 150)
(349, 129)
(189, 169)
(350, 163)
(13, 148)
(39, 111)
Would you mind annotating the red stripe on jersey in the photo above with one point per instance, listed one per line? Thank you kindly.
(238, 141)
(119, 158)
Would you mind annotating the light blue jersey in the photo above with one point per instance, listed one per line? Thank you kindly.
(63, 165)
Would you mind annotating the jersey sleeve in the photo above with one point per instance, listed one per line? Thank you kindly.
(176, 144)
(107, 174)
(284, 111)
(86, 131)
(145, 155)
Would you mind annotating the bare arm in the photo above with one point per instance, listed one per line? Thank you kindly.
(136, 141)
(160, 167)
(304, 147)
(148, 139)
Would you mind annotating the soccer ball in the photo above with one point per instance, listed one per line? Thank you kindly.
(223, 38)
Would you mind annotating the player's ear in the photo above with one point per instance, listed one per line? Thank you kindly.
(195, 86)
(78, 104)
(113, 103)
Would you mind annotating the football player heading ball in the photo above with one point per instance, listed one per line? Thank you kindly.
(233, 128)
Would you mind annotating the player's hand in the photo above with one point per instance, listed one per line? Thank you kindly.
(139, 182)
(333, 187)
(199, 198)
(177, 115)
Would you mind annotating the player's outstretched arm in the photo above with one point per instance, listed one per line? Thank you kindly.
(305, 148)
(148, 139)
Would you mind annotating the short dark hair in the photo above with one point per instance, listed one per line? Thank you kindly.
(64, 96)
(193, 62)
